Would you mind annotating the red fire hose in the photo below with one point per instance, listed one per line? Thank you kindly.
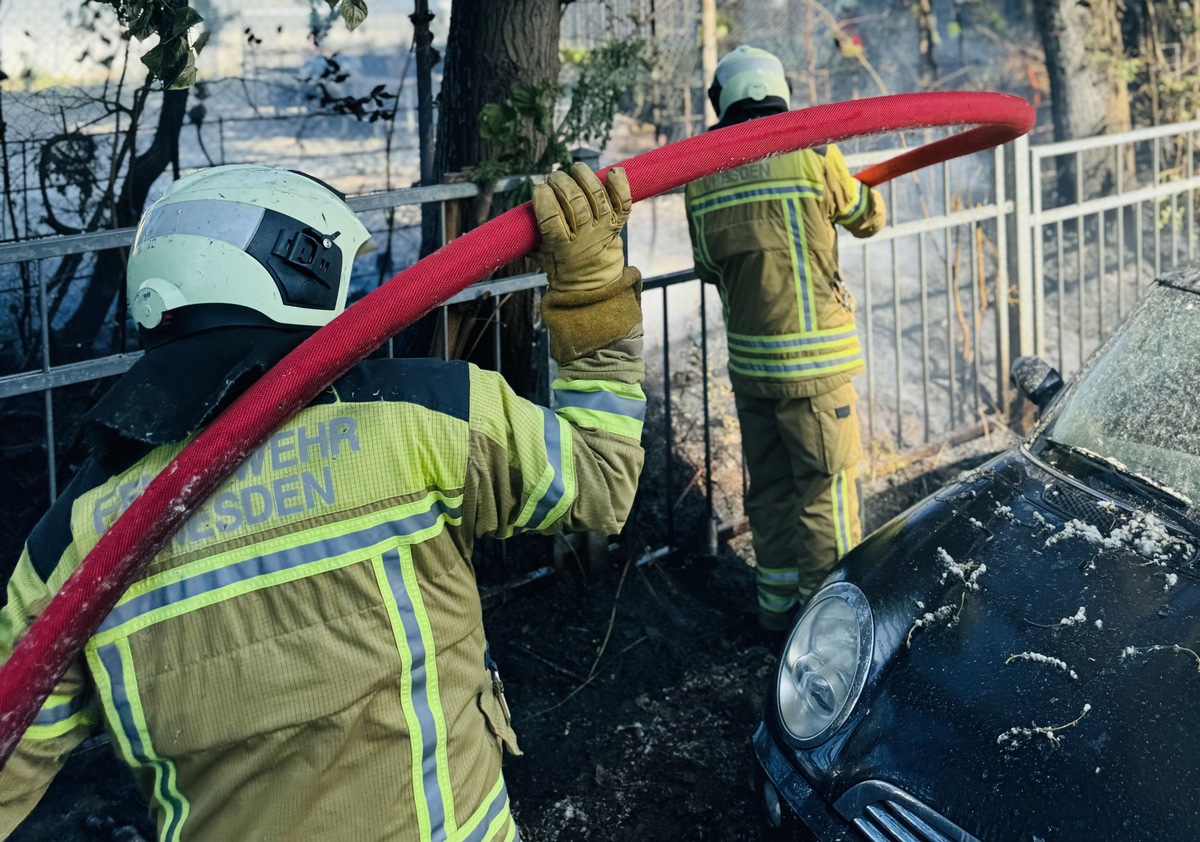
(90, 593)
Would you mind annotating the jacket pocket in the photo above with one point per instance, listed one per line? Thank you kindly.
(837, 422)
(496, 718)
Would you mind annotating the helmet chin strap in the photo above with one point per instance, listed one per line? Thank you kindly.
(182, 322)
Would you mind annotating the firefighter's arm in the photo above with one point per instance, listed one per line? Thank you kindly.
(857, 208)
(575, 467)
(68, 716)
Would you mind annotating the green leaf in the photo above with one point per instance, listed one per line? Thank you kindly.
(185, 19)
(168, 60)
(201, 41)
(141, 21)
(153, 59)
(353, 13)
(187, 76)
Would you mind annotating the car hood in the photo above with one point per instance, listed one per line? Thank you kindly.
(1035, 674)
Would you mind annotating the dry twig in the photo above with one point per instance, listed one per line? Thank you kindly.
(592, 672)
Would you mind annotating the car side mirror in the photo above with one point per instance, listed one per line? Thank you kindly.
(1036, 379)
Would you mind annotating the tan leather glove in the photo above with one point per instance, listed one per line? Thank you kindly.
(593, 301)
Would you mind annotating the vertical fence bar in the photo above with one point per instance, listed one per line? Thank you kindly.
(976, 314)
(899, 337)
(1002, 326)
(951, 347)
(1027, 203)
(866, 261)
(896, 328)
(444, 319)
(443, 312)
(496, 343)
(1174, 230)
(1100, 291)
(1140, 244)
(1154, 214)
(496, 361)
(1062, 294)
(1080, 233)
(924, 331)
(48, 394)
(669, 431)
(1120, 240)
(708, 484)
(1038, 272)
(1190, 213)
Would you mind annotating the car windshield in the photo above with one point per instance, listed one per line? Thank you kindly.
(1140, 403)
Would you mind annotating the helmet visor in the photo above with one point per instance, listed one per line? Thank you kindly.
(230, 222)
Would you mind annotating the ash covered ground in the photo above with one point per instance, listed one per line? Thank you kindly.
(634, 691)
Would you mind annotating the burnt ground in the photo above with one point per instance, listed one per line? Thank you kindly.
(634, 692)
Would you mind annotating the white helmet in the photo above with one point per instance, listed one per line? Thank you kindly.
(244, 244)
(747, 73)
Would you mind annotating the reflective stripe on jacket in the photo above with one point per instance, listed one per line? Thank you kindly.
(764, 233)
(305, 659)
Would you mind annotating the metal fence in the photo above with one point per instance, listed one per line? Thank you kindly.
(1130, 214)
(933, 289)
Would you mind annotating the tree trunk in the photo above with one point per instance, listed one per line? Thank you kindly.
(1083, 43)
(107, 282)
(517, 44)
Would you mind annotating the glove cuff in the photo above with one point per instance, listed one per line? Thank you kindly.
(582, 322)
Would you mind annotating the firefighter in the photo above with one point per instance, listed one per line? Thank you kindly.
(306, 658)
(764, 234)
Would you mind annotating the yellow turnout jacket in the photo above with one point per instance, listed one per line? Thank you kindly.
(764, 234)
(305, 660)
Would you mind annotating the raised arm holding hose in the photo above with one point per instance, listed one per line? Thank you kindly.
(305, 659)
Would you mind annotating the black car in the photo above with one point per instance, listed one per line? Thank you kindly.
(1018, 656)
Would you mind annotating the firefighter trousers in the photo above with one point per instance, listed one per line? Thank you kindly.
(802, 455)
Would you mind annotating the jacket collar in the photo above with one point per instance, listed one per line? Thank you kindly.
(172, 391)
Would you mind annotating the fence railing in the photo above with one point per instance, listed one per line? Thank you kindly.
(938, 316)
(1092, 256)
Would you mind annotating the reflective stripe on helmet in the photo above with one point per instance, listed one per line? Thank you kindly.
(740, 64)
(230, 222)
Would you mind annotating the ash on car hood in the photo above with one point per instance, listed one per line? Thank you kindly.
(1088, 732)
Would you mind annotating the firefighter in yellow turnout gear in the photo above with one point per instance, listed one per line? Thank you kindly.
(764, 234)
(306, 658)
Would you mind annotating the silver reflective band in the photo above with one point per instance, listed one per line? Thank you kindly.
(427, 737)
(260, 567)
(601, 402)
(217, 219)
(728, 70)
(554, 493)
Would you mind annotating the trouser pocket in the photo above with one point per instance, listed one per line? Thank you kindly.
(836, 414)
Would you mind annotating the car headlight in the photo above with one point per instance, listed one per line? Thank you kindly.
(825, 664)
